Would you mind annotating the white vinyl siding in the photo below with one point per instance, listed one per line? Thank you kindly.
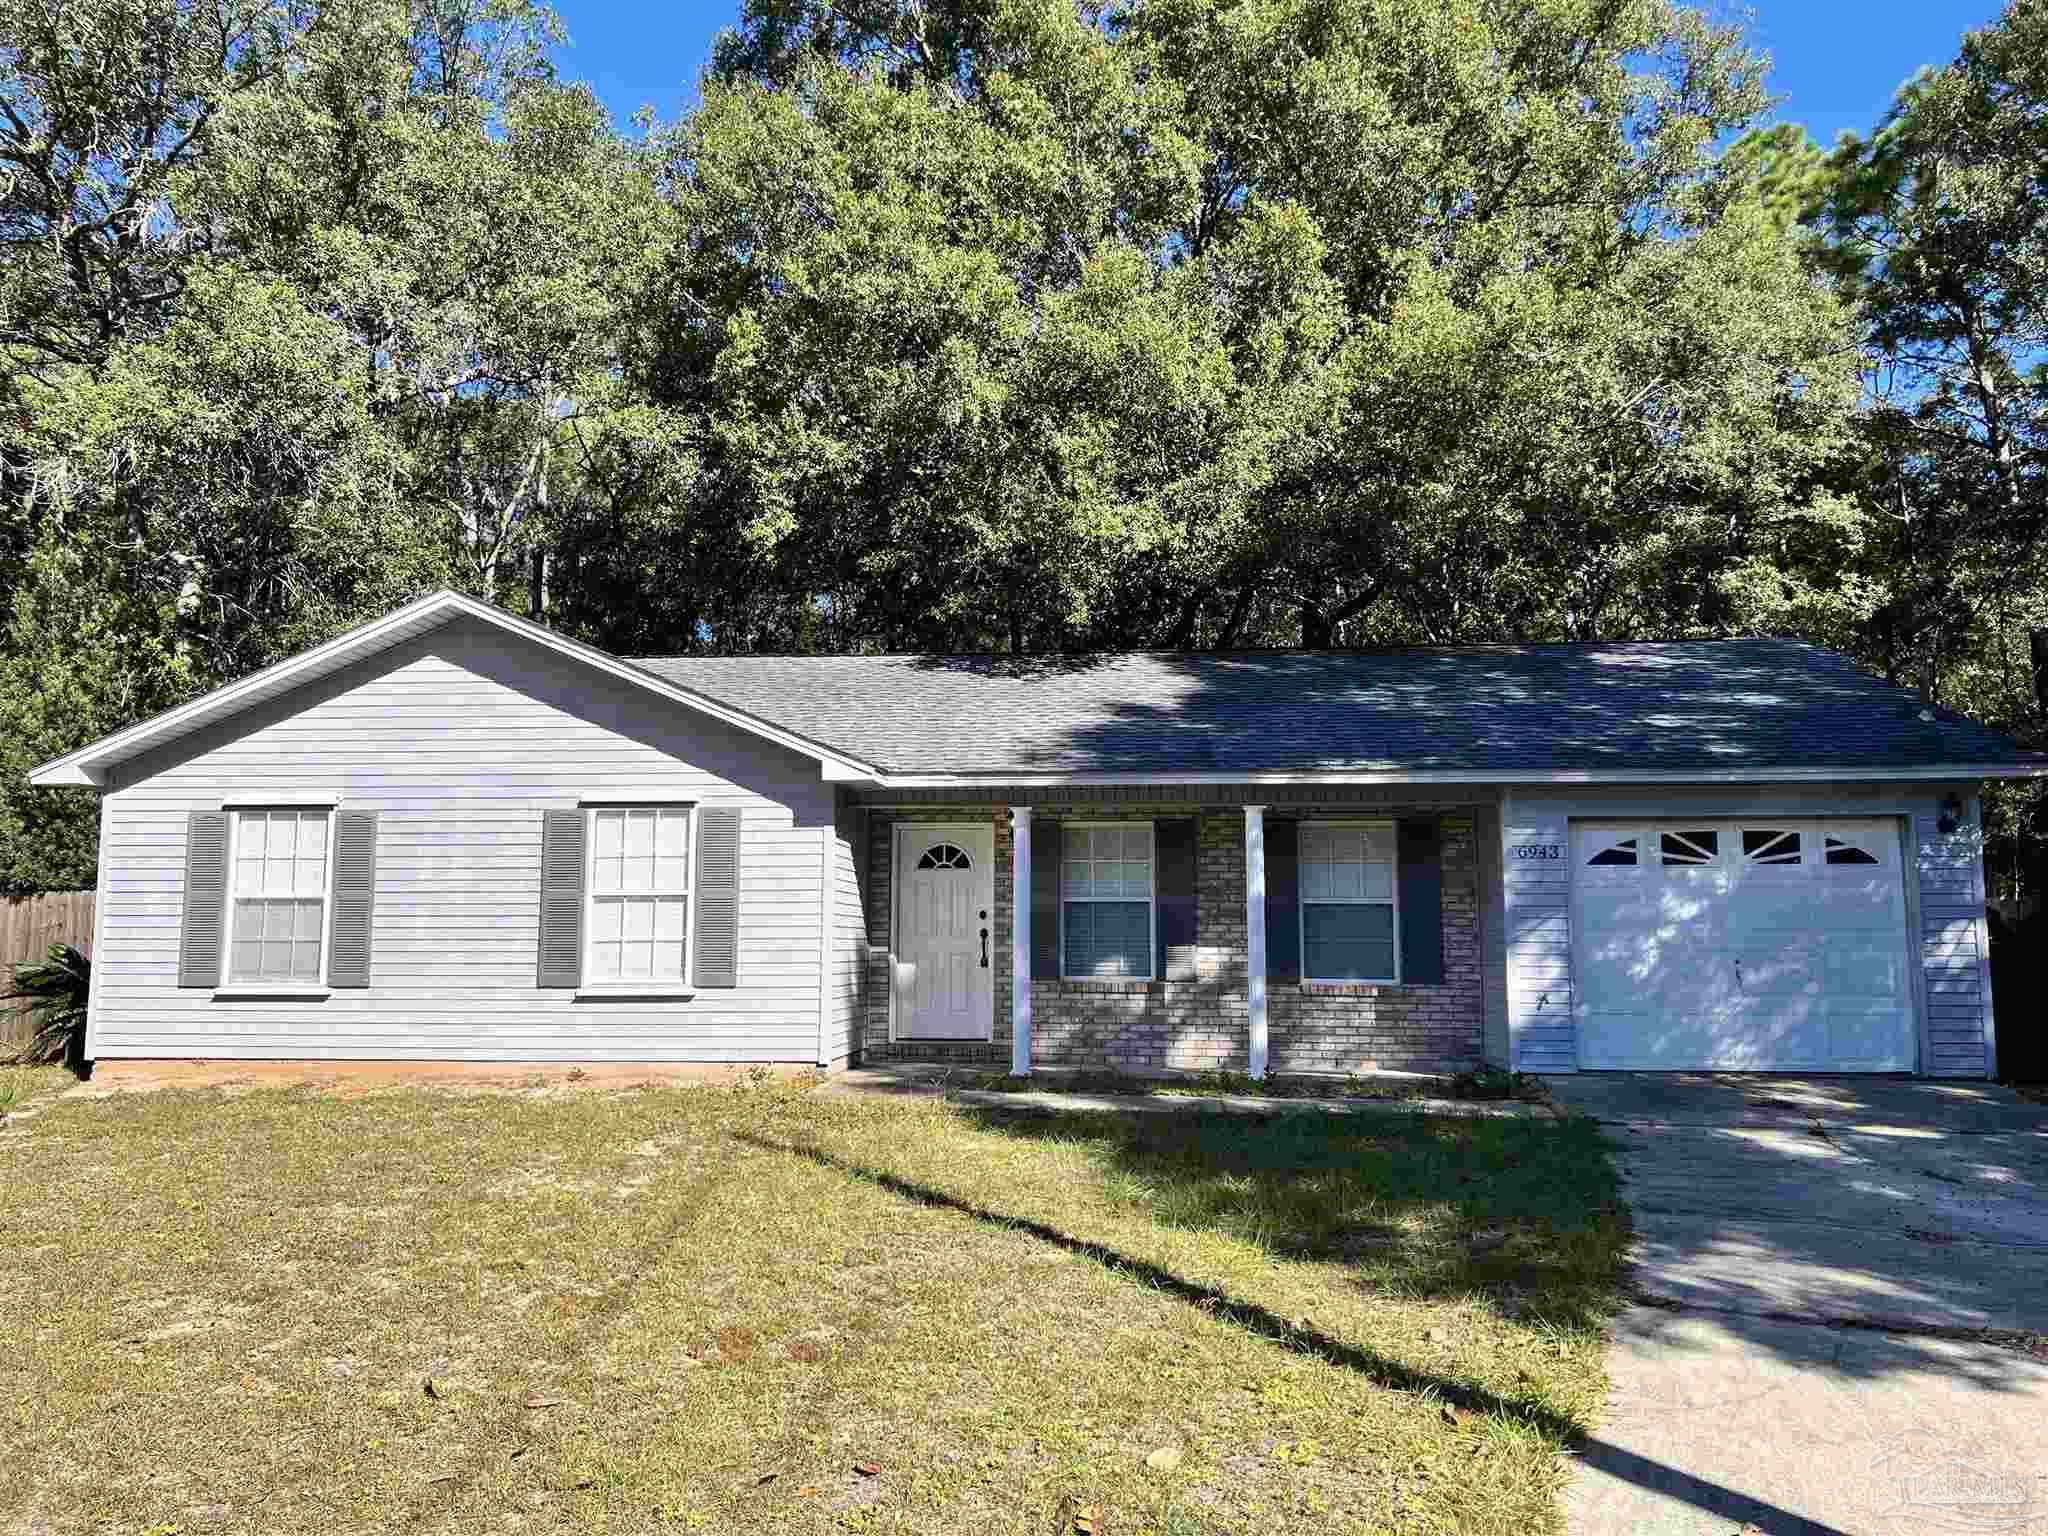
(637, 929)
(1106, 906)
(1350, 930)
(459, 740)
(277, 896)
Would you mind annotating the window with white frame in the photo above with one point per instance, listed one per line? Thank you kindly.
(1348, 919)
(278, 923)
(1106, 901)
(638, 932)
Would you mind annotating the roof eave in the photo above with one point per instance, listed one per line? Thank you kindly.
(1936, 772)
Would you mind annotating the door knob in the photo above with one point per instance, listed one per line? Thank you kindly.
(984, 949)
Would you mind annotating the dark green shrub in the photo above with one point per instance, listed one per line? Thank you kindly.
(56, 987)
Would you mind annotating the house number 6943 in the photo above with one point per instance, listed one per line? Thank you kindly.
(1539, 850)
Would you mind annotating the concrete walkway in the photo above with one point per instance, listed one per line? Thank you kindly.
(1840, 1278)
(928, 1081)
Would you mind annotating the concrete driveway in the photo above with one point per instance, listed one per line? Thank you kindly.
(1844, 1324)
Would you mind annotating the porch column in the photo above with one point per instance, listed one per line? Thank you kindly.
(1255, 935)
(1020, 940)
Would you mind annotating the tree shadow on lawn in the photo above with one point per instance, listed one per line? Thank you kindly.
(1553, 1174)
(1524, 1213)
(1300, 1338)
(1287, 1175)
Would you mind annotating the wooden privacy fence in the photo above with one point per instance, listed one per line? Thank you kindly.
(29, 925)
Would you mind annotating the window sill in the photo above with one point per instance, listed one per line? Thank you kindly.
(634, 994)
(1108, 983)
(1349, 988)
(244, 990)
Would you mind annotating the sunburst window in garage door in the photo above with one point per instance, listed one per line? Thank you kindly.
(1699, 845)
(1842, 851)
(1620, 854)
(1771, 845)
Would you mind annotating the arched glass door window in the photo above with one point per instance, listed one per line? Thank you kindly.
(945, 856)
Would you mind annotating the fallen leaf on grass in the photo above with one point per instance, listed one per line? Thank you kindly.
(765, 1479)
(868, 1468)
(432, 1390)
(1451, 1414)
(1088, 1521)
(536, 1400)
(1165, 1459)
(805, 1490)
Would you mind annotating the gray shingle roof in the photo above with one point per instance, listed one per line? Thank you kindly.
(1683, 706)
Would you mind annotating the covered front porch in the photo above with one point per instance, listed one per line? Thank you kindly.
(1222, 929)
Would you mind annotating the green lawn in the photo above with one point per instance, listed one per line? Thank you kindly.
(758, 1309)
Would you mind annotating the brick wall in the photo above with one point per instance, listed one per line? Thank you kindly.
(1201, 1025)
(1320, 1027)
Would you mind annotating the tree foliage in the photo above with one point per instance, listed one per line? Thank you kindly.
(1011, 324)
(1935, 229)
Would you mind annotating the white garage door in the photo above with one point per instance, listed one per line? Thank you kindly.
(1766, 945)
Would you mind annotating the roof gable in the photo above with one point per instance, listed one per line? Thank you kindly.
(89, 765)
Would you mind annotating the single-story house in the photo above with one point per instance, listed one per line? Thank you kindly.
(450, 834)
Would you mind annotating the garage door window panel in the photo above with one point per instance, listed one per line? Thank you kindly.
(1772, 845)
(1696, 846)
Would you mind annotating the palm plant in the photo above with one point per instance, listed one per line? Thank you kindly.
(56, 988)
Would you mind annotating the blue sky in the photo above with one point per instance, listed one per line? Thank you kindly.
(1836, 61)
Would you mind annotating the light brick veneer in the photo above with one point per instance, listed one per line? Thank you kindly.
(1201, 1025)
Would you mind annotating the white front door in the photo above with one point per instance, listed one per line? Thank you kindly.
(1765, 944)
(945, 932)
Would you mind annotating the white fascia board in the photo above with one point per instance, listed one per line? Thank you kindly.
(88, 765)
(1937, 773)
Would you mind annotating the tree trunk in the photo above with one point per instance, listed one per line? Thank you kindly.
(537, 586)
(1317, 633)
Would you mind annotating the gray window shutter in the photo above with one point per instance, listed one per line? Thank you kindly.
(1173, 870)
(206, 899)
(1422, 903)
(717, 959)
(354, 894)
(1283, 900)
(561, 899)
(1045, 899)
